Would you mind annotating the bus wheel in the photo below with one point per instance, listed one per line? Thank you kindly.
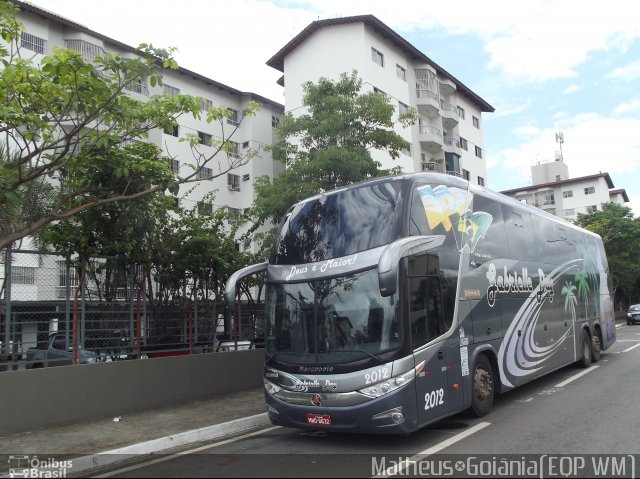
(585, 361)
(596, 346)
(483, 390)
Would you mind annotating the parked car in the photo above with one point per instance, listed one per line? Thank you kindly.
(633, 315)
(56, 354)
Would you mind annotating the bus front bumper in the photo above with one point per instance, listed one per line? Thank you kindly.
(394, 413)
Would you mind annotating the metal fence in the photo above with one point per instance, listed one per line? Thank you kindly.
(56, 310)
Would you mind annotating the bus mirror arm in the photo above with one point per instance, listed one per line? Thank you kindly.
(389, 261)
(230, 289)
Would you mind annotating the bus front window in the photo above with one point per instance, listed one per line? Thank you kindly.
(332, 321)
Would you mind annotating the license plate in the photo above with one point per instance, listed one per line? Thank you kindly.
(319, 419)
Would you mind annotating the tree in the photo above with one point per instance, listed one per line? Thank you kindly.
(70, 124)
(330, 145)
(620, 232)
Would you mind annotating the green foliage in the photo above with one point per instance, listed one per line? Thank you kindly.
(620, 232)
(73, 135)
(330, 145)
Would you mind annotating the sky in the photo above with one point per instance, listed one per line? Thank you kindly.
(545, 66)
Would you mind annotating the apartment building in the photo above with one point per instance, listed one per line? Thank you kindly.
(555, 192)
(448, 136)
(44, 31)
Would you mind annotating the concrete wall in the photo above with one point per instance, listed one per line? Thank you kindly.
(38, 398)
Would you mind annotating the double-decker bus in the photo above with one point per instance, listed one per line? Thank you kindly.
(396, 302)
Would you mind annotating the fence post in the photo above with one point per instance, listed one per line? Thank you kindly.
(132, 331)
(67, 314)
(195, 317)
(83, 305)
(7, 298)
(138, 322)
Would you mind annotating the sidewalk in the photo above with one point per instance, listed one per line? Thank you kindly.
(143, 432)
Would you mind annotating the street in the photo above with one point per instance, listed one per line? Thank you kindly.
(571, 411)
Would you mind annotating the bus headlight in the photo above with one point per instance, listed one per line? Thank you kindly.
(271, 387)
(389, 385)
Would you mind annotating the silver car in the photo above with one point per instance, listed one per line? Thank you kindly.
(633, 315)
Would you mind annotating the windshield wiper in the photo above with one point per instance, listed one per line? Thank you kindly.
(371, 355)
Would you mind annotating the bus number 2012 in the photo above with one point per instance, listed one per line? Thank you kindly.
(377, 375)
(433, 399)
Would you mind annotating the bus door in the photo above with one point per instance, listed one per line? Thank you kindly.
(427, 329)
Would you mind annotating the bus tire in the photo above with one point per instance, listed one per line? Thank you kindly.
(483, 387)
(585, 360)
(596, 346)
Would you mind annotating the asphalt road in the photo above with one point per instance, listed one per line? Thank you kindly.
(569, 412)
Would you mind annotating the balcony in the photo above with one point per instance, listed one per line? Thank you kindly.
(433, 167)
(449, 113)
(428, 102)
(452, 145)
(447, 87)
(430, 137)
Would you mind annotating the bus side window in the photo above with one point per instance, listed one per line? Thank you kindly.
(425, 309)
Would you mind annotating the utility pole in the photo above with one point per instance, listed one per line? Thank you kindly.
(560, 141)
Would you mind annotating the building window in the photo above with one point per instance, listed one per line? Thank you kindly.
(275, 121)
(204, 174)
(62, 275)
(139, 85)
(379, 91)
(476, 122)
(480, 180)
(245, 145)
(233, 182)
(205, 208)
(233, 151)
(172, 131)
(466, 175)
(235, 214)
(171, 90)
(570, 212)
(33, 43)
(567, 194)
(557, 177)
(401, 72)
(246, 177)
(232, 117)
(205, 104)
(205, 138)
(88, 51)
(590, 190)
(174, 165)
(461, 112)
(377, 57)
(23, 275)
(402, 108)
(592, 208)
(478, 152)
(463, 144)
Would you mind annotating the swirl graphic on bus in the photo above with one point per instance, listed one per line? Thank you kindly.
(519, 354)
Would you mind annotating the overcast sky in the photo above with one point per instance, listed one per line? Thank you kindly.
(546, 66)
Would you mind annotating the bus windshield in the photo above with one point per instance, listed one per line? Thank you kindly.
(331, 321)
(340, 224)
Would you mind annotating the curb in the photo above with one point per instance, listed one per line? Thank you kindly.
(208, 433)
